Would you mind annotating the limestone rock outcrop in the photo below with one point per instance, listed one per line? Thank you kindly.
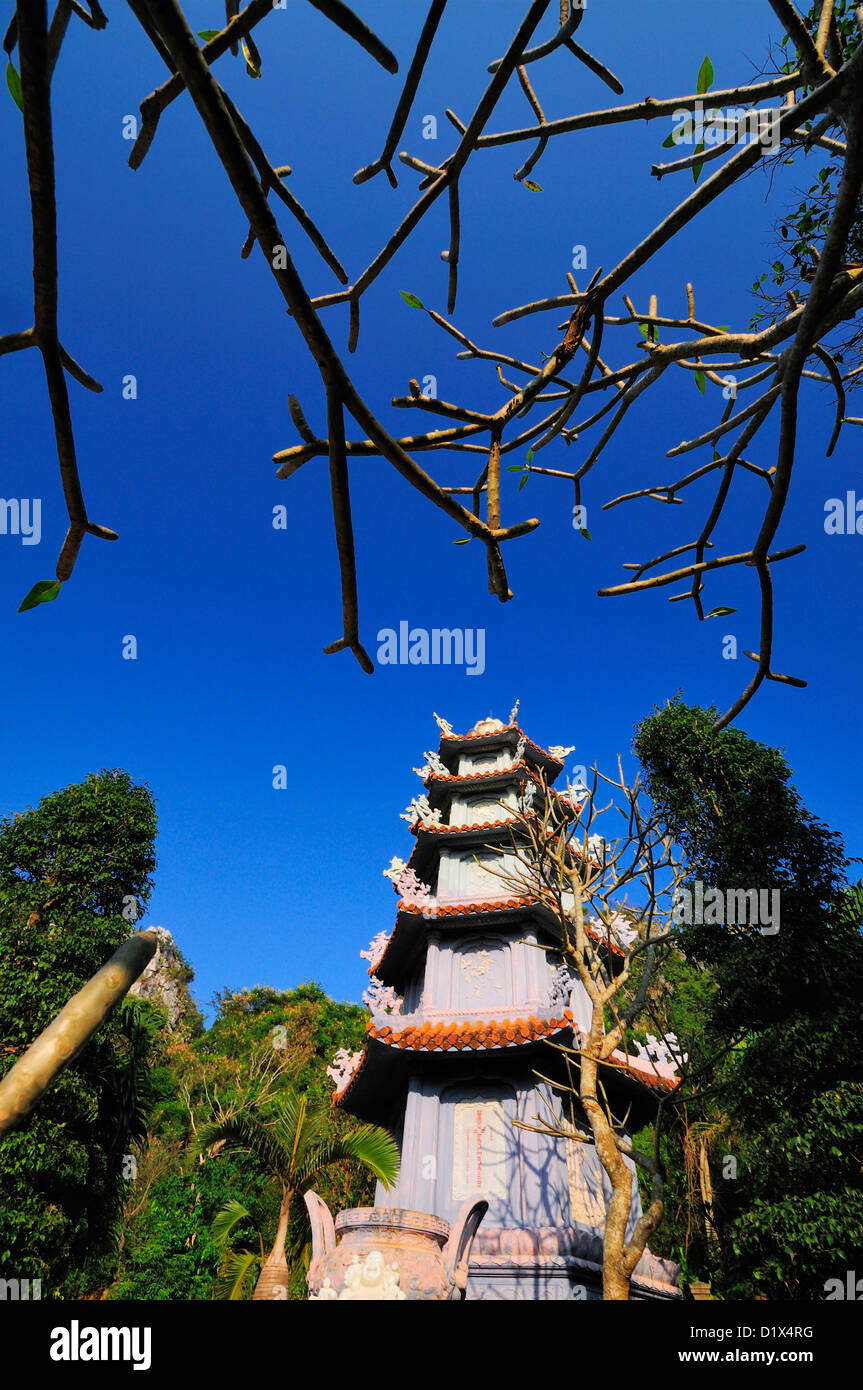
(165, 980)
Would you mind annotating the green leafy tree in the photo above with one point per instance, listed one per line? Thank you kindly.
(680, 1002)
(788, 1211)
(288, 1037)
(169, 1252)
(69, 869)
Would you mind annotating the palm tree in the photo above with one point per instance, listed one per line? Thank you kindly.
(296, 1147)
(236, 1262)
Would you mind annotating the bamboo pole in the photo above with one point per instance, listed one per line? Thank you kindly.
(76, 1022)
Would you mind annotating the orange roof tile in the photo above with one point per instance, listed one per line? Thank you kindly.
(460, 829)
(454, 1035)
(479, 1034)
(464, 909)
(483, 905)
(489, 772)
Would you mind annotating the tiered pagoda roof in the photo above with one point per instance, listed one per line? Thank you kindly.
(391, 1048)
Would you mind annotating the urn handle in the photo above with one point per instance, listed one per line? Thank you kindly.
(323, 1227)
(457, 1249)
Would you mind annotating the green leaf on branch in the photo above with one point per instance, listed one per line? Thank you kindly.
(681, 134)
(411, 299)
(465, 540)
(583, 531)
(534, 187)
(720, 612)
(207, 34)
(530, 455)
(42, 592)
(515, 468)
(701, 381)
(523, 481)
(13, 82)
(705, 76)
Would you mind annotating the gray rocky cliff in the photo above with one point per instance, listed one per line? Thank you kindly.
(165, 980)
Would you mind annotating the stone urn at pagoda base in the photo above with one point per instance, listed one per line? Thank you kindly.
(389, 1253)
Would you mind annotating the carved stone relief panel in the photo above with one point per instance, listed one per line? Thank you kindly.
(477, 810)
(481, 974)
(471, 764)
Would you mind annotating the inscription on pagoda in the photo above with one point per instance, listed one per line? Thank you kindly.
(479, 1149)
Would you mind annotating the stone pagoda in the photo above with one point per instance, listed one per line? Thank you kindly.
(463, 1004)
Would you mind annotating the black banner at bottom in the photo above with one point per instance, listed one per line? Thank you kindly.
(84, 1340)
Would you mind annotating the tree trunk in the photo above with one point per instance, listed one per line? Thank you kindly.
(615, 1283)
(619, 1258)
(273, 1280)
(706, 1183)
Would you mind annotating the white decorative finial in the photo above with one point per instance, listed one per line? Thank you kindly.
(513, 714)
(444, 726)
(559, 753)
(562, 985)
(620, 927)
(395, 870)
(663, 1054)
(578, 790)
(376, 948)
(414, 893)
(344, 1065)
(432, 766)
(381, 999)
(420, 811)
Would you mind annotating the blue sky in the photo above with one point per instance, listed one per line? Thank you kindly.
(279, 886)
